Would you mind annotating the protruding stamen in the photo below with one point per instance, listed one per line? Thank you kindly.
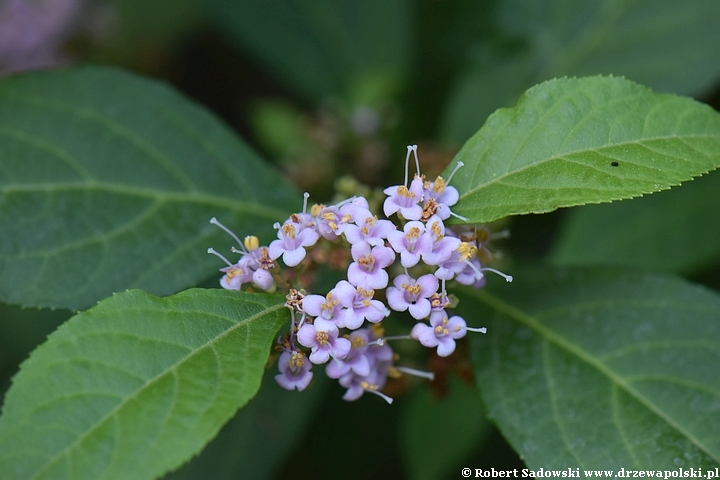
(382, 340)
(508, 278)
(219, 255)
(306, 195)
(417, 162)
(418, 373)
(235, 250)
(302, 321)
(214, 221)
(292, 326)
(478, 271)
(464, 219)
(347, 200)
(407, 161)
(457, 167)
(479, 330)
(389, 400)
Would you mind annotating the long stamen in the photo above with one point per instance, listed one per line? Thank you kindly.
(479, 330)
(417, 162)
(306, 195)
(214, 252)
(302, 320)
(464, 219)
(418, 373)
(241, 252)
(457, 167)
(407, 160)
(508, 278)
(381, 341)
(347, 200)
(379, 394)
(292, 327)
(214, 221)
(478, 271)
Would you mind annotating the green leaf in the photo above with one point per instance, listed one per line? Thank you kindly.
(674, 231)
(108, 181)
(600, 369)
(138, 384)
(575, 141)
(325, 47)
(256, 442)
(667, 45)
(440, 433)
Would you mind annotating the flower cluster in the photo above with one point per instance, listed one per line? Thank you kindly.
(362, 360)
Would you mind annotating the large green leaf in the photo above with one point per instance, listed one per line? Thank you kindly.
(669, 46)
(588, 140)
(439, 433)
(108, 181)
(325, 47)
(674, 231)
(600, 369)
(136, 385)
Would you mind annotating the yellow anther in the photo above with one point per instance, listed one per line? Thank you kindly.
(322, 338)
(412, 289)
(289, 230)
(467, 251)
(233, 272)
(366, 261)
(439, 185)
(403, 191)
(251, 242)
(413, 234)
(297, 360)
(331, 302)
(357, 342)
(315, 209)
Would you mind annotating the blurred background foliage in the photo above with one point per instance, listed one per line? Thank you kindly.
(331, 92)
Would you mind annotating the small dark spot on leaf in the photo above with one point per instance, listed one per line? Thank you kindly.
(614, 164)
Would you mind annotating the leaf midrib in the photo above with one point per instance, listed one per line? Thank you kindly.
(211, 343)
(583, 150)
(552, 337)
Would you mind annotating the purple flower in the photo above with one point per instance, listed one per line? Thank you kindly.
(413, 295)
(380, 358)
(329, 222)
(367, 269)
(328, 310)
(235, 276)
(441, 246)
(405, 200)
(471, 274)
(441, 332)
(439, 198)
(292, 237)
(294, 371)
(358, 360)
(368, 228)
(411, 243)
(324, 343)
(457, 261)
(359, 305)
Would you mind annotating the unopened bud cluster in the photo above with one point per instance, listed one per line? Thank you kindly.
(362, 360)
